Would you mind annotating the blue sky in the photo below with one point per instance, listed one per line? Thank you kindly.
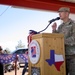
(15, 24)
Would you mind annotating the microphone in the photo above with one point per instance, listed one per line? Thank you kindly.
(54, 19)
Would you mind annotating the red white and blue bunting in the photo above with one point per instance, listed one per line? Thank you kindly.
(7, 58)
(24, 57)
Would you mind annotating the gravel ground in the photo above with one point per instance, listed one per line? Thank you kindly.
(19, 72)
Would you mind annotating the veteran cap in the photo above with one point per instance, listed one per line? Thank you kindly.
(64, 9)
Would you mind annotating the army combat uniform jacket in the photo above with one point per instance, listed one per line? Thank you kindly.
(68, 29)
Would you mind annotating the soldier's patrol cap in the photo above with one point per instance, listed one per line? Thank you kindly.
(64, 9)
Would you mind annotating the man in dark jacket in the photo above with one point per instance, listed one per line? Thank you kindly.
(1, 65)
(25, 68)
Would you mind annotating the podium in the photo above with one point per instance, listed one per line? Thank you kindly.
(51, 58)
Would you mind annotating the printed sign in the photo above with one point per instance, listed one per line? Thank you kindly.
(35, 71)
(34, 51)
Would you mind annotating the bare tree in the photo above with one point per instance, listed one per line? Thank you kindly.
(20, 45)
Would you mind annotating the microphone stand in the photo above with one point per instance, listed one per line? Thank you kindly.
(46, 26)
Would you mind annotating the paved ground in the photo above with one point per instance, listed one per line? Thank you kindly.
(19, 72)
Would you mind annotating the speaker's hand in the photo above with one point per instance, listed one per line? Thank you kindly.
(54, 26)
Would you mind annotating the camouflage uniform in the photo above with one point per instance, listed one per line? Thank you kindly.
(68, 29)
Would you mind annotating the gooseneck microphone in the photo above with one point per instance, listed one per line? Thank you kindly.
(54, 19)
(57, 18)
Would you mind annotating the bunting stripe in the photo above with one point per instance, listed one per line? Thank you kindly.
(7, 58)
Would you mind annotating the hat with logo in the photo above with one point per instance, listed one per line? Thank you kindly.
(64, 9)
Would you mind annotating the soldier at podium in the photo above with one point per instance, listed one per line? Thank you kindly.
(68, 29)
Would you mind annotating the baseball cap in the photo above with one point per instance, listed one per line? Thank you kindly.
(64, 9)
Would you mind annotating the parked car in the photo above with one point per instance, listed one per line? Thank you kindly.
(20, 51)
(10, 66)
